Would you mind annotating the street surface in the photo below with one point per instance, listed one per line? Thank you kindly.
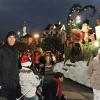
(72, 90)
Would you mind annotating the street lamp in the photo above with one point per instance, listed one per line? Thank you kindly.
(36, 37)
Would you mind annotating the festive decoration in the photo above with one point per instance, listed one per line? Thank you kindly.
(77, 9)
(77, 36)
(87, 7)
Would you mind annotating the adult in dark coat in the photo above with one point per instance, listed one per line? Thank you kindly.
(9, 77)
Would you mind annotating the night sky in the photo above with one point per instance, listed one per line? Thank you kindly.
(36, 13)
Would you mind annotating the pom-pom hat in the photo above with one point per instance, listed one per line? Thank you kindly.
(25, 61)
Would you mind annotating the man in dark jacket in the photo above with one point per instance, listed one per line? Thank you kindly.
(9, 77)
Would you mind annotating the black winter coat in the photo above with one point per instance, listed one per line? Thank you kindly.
(9, 77)
(51, 91)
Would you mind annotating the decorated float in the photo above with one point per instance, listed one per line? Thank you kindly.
(80, 44)
(75, 66)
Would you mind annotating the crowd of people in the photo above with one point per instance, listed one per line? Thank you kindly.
(19, 72)
(39, 60)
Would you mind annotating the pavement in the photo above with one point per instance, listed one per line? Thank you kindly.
(73, 90)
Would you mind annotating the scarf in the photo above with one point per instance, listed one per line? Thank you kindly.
(59, 91)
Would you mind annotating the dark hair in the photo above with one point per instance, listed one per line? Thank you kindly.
(11, 33)
(58, 75)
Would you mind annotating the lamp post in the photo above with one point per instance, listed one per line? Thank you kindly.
(36, 37)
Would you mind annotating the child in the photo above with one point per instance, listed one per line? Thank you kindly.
(28, 80)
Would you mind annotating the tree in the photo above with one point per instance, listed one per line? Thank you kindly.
(52, 42)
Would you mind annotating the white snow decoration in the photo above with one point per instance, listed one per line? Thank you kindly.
(77, 71)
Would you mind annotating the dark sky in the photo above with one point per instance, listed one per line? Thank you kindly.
(37, 13)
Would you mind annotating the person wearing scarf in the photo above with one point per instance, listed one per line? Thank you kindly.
(54, 88)
(59, 90)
